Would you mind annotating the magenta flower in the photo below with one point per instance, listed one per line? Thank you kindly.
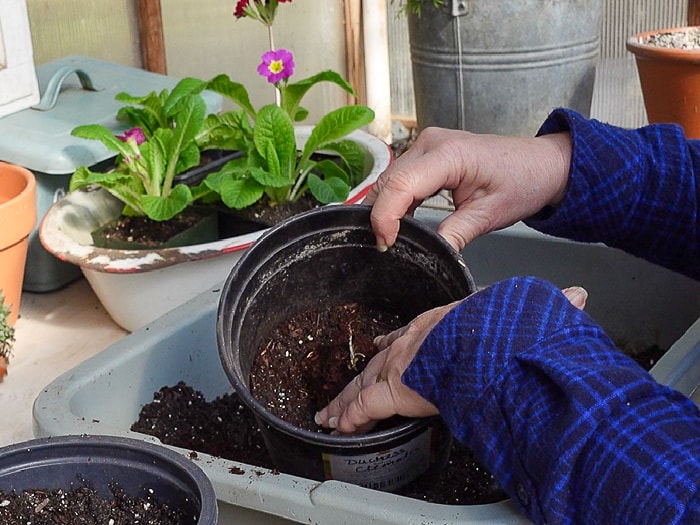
(277, 65)
(134, 133)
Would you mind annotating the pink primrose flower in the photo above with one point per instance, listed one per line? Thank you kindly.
(277, 65)
(135, 134)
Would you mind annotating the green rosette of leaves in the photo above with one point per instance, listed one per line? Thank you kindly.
(166, 141)
(274, 166)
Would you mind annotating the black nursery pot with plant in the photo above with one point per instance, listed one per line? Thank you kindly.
(143, 470)
(327, 256)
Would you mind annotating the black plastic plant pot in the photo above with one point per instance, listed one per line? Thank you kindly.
(143, 470)
(328, 256)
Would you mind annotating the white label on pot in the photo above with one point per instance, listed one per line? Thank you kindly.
(383, 470)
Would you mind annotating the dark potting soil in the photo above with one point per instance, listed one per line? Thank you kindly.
(333, 338)
(147, 232)
(83, 506)
(308, 359)
(224, 427)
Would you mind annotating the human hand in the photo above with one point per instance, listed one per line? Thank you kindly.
(378, 393)
(495, 181)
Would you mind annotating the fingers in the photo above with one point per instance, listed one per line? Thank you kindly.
(576, 295)
(328, 416)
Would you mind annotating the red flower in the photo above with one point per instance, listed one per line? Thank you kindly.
(240, 6)
(243, 9)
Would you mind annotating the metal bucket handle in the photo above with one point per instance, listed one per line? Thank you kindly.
(53, 88)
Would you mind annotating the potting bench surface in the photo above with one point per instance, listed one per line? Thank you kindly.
(54, 333)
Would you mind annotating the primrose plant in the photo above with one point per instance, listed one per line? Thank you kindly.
(170, 131)
(273, 165)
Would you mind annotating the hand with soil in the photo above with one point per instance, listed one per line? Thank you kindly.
(377, 392)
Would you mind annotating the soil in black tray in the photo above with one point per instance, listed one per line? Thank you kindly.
(82, 506)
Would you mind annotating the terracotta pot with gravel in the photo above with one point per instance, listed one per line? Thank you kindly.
(668, 63)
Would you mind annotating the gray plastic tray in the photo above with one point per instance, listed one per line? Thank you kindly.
(633, 299)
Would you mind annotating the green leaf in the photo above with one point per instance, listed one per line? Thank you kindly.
(189, 158)
(241, 193)
(330, 168)
(293, 93)
(165, 208)
(151, 113)
(275, 142)
(154, 153)
(356, 159)
(85, 177)
(328, 190)
(336, 125)
(184, 89)
(234, 91)
(266, 178)
(104, 135)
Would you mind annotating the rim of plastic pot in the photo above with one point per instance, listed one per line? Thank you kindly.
(95, 460)
(635, 44)
(331, 219)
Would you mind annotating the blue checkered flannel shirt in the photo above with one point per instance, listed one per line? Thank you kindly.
(574, 430)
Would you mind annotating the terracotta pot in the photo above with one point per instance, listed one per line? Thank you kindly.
(17, 217)
(670, 80)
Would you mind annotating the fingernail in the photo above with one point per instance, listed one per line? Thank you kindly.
(317, 419)
(577, 296)
(333, 422)
(381, 248)
(377, 340)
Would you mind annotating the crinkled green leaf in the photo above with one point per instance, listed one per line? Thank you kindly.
(165, 208)
(328, 190)
(234, 91)
(330, 168)
(293, 93)
(184, 89)
(336, 125)
(355, 157)
(146, 111)
(104, 135)
(266, 178)
(275, 141)
(240, 193)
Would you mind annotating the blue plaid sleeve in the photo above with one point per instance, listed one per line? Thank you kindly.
(573, 430)
(632, 189)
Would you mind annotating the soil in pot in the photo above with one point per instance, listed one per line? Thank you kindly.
(83, 506)
(307, 360)
(131, 232)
